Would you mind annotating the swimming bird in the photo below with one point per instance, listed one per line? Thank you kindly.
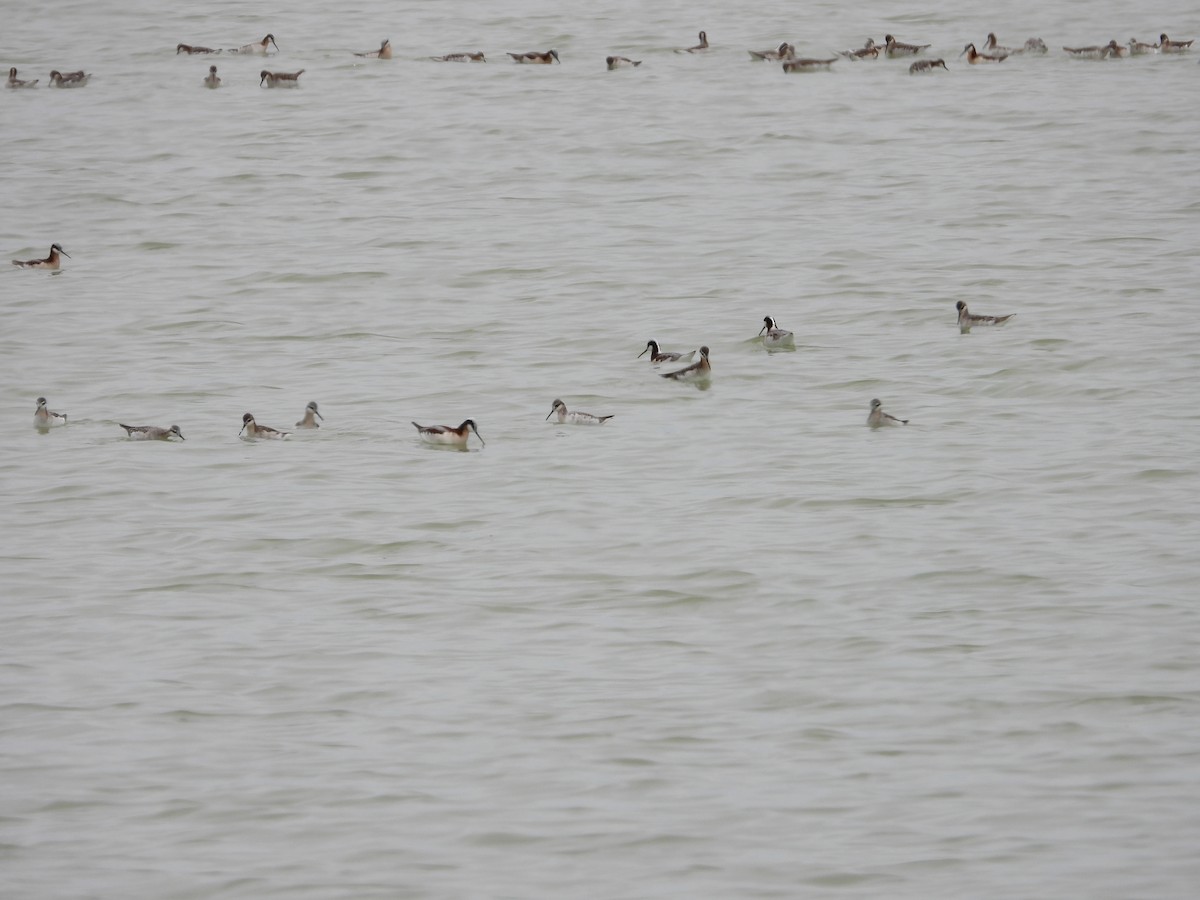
(774, 336)
(807, 65)
(211, 79)
(69, 79)
(44, 418)
(1087, 52)
(448, 436)
(15, 82)
(877, 417)
(461, 57)
(259, 49)
(621, 62)
(893, 47)
(927, 65)
(535, 58)
(991, 45)
(279, 79)
(254, 430)
(151, 432)
(559, 409)
(783, 51)
(1169, 46)
(974, 57)
(310, 416)
(1115, 50)
(966, 319)
(697, 371)
(50, 262)
(661, 356)
(700, 47)
(384, 51)
(1035, 45)
(869, 50)
(188, 49)
(1141, 48)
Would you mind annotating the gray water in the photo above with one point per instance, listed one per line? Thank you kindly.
(731, 644)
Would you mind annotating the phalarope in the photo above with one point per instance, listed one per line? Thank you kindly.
(535, 58)
(564, 417)
(1115, 50)
(621, 62)
(927, 65)
(310, 416)
(461, 57)
(258, 49)
(1141, 48)
(662, 356)
(151, 432)
(1169, 46)
(254, 430)
(869, 50)
(893, 47)
(15, 82)
(774, 336)
(877, 417)
(211, 79)
(974, 57)
(447, 435)
(783, 51)
(1035, 45)
(190, 50)
(697, 371)
(69, 79)
(44, 418)
(991, 45)
(1088, 52)
(384, 51)
(700, 47)
(279, 79)
(807, 65)
(50, 262)
(966, 319)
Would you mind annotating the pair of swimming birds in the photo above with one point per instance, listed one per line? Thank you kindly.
(44, 417)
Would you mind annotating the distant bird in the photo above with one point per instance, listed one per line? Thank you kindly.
(1035, 45)
(700, 47)
(536, 58)
(254, 430)
(869, 50)
(50, 262)
(15, 82)
(805, 64)
(974, 57)
(927, 65)
(447, 435)
(1087, 52)
(69, 79)
(461, 57)
(279, 79)
(190, 50)
(966, 320)
(662, 356)
(893, 48)
(310, 416)
(697, 371)
(1169, 46)
(564, 417)
(991, 45)
(212, 80)
(262, 48)
(152, 432)
(621, 62)
(774, 337)
(44, 418)
(384, 51)
(783, 51)
(877, 418)
(1141, 48)
(1116, 51)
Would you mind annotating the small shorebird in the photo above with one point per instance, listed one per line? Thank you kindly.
(991, 45)
(211, 80)
(15, 82)
(534, 58)
(1035, 45)
(563, 417)
(662, 356)
(461, 57)
(310, 416)
(808, 65)
(69, 79)
(151, 432)
(50, 262)
(190, 50)
(966, 319)
(384, 51)
(783, 51)
(621, 62)
(1169, 46)
(1115, 50)
(700, 47)
(254, 430)
(877, 417)
(869, 50)
(1141, 48)
(44, 418)
(774, 336)
(974, 57)
(893, 48)
(279, 79)
(448, 436)
(259, 49)
(697, 371)
(1088, 52)
(927, 65)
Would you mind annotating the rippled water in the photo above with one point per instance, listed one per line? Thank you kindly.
(731, 644)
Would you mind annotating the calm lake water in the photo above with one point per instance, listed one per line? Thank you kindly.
(732, 644)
